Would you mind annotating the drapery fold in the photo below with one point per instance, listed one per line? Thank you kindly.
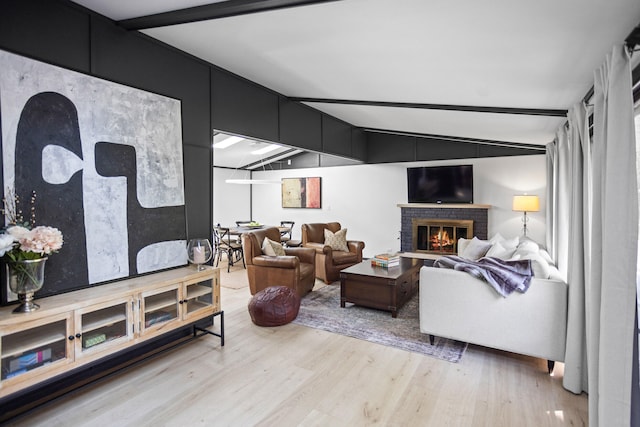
(614, 234)
(577, 149)
(595, 212)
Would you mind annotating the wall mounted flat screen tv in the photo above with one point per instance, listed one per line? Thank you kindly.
(440, 184)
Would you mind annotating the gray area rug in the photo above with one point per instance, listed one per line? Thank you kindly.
(321, 309)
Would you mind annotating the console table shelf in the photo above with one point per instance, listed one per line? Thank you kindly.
(197, 291)
(96, 322)
(31, 339)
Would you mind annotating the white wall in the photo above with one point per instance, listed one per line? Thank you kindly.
(231, 202)
(364, 198)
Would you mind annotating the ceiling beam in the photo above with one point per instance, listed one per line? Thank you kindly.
(633, 39)
(447, 107)
(223, 9)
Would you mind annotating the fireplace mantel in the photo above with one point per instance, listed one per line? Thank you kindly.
(442, 206)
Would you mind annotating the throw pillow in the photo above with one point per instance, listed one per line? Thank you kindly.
(506, 243)
(541, 268)
(337, 240)
(499, 251)
(528, 245)
(497, 238)
(544, 254)
(476, 249)
(272, 248)
(462, 245)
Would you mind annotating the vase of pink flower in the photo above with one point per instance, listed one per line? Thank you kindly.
(25, 252)
(25, 249)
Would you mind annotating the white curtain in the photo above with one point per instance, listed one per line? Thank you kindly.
(596, 214)
(575, 149)
(552, 199)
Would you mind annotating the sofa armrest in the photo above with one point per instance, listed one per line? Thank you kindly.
(318, 247)
(287, 261)
(355, 246)
(305, 255)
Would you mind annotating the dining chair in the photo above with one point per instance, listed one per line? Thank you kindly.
(225, 245)
(286, 236)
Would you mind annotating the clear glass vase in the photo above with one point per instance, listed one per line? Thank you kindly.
(199, 252)
(25, 278)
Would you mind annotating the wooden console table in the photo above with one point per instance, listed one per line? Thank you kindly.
(77, 328)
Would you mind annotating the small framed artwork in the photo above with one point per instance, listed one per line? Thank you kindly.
(301, 192)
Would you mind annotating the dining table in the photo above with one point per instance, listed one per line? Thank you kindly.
(237, 231)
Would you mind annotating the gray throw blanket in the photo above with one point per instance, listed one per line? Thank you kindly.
(504, 276)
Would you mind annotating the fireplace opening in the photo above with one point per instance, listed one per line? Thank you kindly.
(440, 236)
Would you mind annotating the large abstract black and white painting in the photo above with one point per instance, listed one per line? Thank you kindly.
(105, 161)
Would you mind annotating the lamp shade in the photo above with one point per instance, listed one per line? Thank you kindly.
(526, 203)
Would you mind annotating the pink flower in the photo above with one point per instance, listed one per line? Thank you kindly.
(18, 232)
(42, 240)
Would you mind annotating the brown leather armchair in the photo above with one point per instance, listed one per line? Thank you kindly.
(328, 261)
(295, 270)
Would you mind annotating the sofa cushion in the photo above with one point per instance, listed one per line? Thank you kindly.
(476, 249)
(337, 240)
(272, 248)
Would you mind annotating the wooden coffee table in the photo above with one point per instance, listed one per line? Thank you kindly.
(377, 287)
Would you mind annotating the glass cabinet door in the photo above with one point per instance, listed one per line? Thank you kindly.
(201, 296)
(104, 325)
(32, 350)
(159, 307)
(198, 296)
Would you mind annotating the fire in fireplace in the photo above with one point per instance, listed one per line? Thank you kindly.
(440, 236)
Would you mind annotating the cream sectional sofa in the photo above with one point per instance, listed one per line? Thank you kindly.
(456, 305)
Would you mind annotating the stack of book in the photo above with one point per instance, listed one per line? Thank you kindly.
(386, 260)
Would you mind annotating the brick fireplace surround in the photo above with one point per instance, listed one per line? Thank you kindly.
(477, 213)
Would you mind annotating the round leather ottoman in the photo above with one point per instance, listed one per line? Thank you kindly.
(274, 306)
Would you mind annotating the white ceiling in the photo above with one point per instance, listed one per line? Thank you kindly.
(244, 154)
(495, 53)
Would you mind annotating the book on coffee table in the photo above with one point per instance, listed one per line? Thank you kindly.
(386, 260)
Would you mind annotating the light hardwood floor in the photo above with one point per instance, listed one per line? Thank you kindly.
(293, 375)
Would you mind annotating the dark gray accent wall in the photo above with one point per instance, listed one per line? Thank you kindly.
(386, 148)
(241, 107)
(336, 136)
(389, 147)
(433, 149)
(300, 126)
(46, 30)
(358, 144)
(198, 177)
